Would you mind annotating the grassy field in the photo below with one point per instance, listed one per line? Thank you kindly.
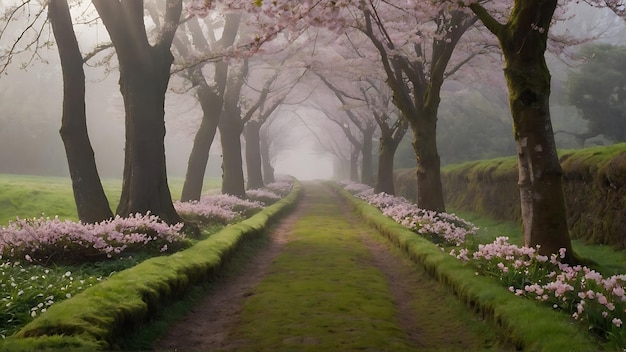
(31, 196)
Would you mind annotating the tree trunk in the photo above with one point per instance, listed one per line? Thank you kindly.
(211, 101)
(211, 104)
(367, 176)
(354, 164)
(266, 159)
(232, 163)
(91, 201)
(199, 157)
(253, 154)
(386, 153)
(429, 190)
(145, 186)
(144, 76)
(544, 219)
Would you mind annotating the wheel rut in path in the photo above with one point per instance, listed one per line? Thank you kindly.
(431, 318)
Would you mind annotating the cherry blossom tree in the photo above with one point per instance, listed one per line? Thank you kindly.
(271, 97)
(523, 36)
(197, 40)
(392, 128)
(415, 46)
(364, 124)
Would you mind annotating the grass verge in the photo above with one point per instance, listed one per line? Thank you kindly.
(523, 323)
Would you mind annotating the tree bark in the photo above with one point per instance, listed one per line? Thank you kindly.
(266, 159)
(232, 163)
(429, 189)
(211, 101)
(523, 41)
(354, 164)
(91, 201)
(211, 104)
(231, 126)
(144, 76)
(389, 142)
(367, 175)
(253, 154)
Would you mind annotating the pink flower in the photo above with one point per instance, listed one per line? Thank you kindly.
(617, 322)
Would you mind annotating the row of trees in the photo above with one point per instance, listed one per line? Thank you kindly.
(387, 71)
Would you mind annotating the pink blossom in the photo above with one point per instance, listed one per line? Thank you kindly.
(617, 322)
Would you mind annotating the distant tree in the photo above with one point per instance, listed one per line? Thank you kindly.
(416, 66)
(365, 127)
(91, 202)
(393, 127)
(598, 90)
(209, 91)
(256, 116)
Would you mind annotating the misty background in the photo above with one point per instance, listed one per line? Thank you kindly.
(474, 120)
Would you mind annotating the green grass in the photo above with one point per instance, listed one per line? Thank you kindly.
(29, 196)
(323, 293)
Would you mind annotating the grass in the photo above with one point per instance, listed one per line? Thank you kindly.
(29, 196)
(323, 293)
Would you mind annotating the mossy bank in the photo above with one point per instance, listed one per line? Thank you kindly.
(594, 183)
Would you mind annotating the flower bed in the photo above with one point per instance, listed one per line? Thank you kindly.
(45, 261)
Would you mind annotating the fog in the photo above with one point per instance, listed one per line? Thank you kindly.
(30, 118)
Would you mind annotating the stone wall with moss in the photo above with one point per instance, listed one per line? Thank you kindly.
(594, 186)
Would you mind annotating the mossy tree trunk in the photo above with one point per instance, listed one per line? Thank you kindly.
(144, 76)
(91, 201)
(523, 41)
(429, 190)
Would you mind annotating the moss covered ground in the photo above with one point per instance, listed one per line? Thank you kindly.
(325, 292)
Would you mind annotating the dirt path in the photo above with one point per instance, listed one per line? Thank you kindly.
(207, 326)
(423, 311)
